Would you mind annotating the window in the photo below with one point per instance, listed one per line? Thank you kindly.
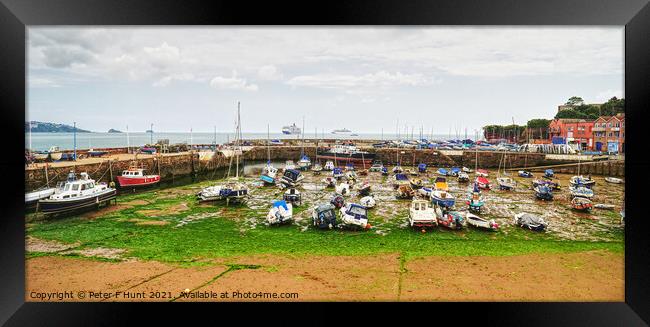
(75, 187)
(83, 187)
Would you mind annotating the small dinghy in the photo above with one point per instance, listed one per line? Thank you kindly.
(343, 189)
(581, 191)
(543, 192)
(530, 221)
(329, 165)
(354, 216)
(416, 183)
(368, 202)
(450, 219)
(397, 169)
(425, 192)
(364, 189)
(422, 168)
(399, 180)
(604, 206)
(613, 180)
(32, 197)
(293, 196)
(422, 215)
(478, 222)
(337, 172)
(582, 204)
(338, 201)
(231, 191)
(454, 171)
(551, 184)
(268, 174)
(582, 181)
(440, 183)
(405, 192)
(281, 212)
(483, 183)
(329, 182)
(482, 173)
(548, 173)
(442, 171)
(291, 178)
(304, 162)
(463, 177)
(467, 170)
(317, 168)
(442, 198)
(324, 216)
(525, 174)
(377, 166)
(506, 183)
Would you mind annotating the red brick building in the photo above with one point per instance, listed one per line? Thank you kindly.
(609, 134)
(573, 131)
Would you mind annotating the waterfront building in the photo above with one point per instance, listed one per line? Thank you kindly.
(577, 132)
(609, 134)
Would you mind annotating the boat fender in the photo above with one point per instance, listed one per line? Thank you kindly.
(111, 184)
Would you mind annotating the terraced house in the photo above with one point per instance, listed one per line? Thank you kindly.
(609, 134)
(572, 131)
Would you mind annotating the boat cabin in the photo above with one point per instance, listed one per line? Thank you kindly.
(76, 187)
(133, 172)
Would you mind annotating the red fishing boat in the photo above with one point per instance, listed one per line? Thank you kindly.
(134, 177)
(483, 182)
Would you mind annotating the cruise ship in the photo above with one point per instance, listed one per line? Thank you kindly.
(292, 129)
(341, 131)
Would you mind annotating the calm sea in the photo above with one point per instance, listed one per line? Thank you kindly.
(65, 141)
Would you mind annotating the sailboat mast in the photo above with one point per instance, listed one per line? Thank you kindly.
(268, 144)
(237, 148)
(302, 150)
(128, 142)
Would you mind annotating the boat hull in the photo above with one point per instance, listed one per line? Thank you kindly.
(48, 206)
(138, 181)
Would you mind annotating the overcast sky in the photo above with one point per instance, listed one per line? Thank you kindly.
(364, 79)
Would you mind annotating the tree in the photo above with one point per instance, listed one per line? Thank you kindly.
(575, 101)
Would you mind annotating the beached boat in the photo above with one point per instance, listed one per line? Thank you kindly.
(440, 184)
(467, 170)
(548, 173)
(425, 192)
(329, 165)
(230, 191)
(422, 215)
(405, 192)
(582, 181)
(354, 216)
(337, 201)
(398, 169)
(134, 177)
(317, 168)
(337, 172)
(55, 153)
(582, 204)
(291, 178)
(292, 196)
(581, 191)
(349, 166)
(40, 155)
(304, 162)
(329, 181)
(450, 219)
(368, 201)
(530, 221)
(482, 182)
(543, 192)
(613, 180)
(281, 213)
(384, 171)
(463, 177)
(506, 183)
(604, 206)
(31, 198)
(324, 216)
(442, 171)
(377, 166)
(482, 173)
(549, 183)
(416, 183)
(400, 179)
(475, 201)
(442, 198)
(525, 174)
(364, 189)
(77, 194)
(351, 175)
(478, 222)
(422, 168)
(454, 171)
(343, 189)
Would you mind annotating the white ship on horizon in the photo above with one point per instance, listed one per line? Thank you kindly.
(291, 129)
(341, 131)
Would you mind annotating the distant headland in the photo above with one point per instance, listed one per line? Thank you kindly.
(114, 131)
(43, 127)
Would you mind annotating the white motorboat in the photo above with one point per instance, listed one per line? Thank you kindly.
(354, 216)
(613, 180)
(281, 212)
(478, 222)
(422, 214)
(329, 165)
(77, 194)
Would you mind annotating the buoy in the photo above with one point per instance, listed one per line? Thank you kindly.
(368, 226)
(424, 230)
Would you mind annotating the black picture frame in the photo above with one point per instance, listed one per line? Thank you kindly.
(17, 15)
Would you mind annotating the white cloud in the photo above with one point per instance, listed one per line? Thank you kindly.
(42, 82)
(232, 83)
(269, 73)
(358, 83)
(603, 96)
